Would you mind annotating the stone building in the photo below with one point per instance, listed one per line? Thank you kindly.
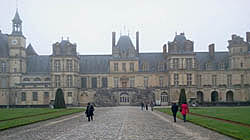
(126, 77)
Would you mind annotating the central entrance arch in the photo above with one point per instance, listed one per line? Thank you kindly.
(124, 99)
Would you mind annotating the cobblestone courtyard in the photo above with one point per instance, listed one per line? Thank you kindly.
(112, 123)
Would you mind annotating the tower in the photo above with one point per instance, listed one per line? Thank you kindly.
(17, 54)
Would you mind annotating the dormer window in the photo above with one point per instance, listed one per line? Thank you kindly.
(37, 79)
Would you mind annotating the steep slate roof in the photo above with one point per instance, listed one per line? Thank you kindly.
(99, 64)
(38, 64)
(94, 63)
(17, 18)
(152, 59)
(219, 57)
(125, 43)
(4, 47)
(30, 51)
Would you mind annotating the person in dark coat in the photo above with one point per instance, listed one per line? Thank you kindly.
(90, 112)
(174, 109)
(146, 106)
(142, 105)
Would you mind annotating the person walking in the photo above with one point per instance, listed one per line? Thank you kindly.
(152, 106)
(142, 105)
(146, 106)
(90, 112)
(174, 109)
(184, 110)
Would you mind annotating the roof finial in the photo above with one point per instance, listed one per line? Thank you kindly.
(16, 5)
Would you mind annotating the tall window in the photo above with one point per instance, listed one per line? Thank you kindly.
(23, 96)
(46, 94)
(94, 82)
(124, 67)
(199, 80)
(57, 65)
(175, 63)
(57, 81)
(161, 67)
(241, 64)
(69, 94)
(161, 81)
(69, 66)
(131, 67)
(3, 82)
(229, 80)
(242, 79)
(132, 82)
(69, 81)
(189, 63)
(116, 82)
(145, 82)
(3, 67)
(115, 66)
(104, 82)
(34, 96)
(214, 80)
(189, 79)
(84, 82)
(176, 79)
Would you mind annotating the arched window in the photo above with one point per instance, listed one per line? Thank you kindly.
(37, 79)
(26, 79)
(229, 96)
(214, 96)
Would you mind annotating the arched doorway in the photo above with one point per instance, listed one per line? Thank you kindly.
(200, 97)
(214, 96)
(124, 98)
(164, 98)
(229, 96)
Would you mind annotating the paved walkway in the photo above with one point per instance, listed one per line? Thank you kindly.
(113, 123)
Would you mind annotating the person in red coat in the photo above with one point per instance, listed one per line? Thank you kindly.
(184, 110)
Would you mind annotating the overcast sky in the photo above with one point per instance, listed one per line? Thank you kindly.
(89, 23)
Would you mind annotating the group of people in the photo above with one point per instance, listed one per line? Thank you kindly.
(145, 105)
(175, 108)
(183, 109)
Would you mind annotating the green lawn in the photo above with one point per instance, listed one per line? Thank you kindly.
(238, 114)
(233, 130)
(17, 113)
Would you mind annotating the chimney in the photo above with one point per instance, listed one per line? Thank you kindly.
(113, 39)
(248, 36)
(164, 49)
(137, 42)
(211, 50)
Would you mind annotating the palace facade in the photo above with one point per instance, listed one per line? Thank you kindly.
(126, 77)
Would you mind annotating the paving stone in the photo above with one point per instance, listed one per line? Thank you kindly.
(112, 123)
